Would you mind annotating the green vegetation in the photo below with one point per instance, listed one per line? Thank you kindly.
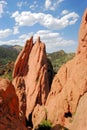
(8, 55)
(44, 125)
(47, 125)
(59, 58)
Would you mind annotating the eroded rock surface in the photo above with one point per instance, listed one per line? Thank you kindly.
(31, 76)
(69, 84)
(8, 99)
(9, 107)
(80, 117)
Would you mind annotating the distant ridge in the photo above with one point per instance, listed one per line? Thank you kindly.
(60, 57)
(16, 47)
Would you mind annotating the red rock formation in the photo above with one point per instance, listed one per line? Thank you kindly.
(8, 99)
(9, 109)
(20, 67)
(8, 122)
(68, 85)
(37, 85)
(31, 76)
(20, 70)
(80, 119)
(82, 48)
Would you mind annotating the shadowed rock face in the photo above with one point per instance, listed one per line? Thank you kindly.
(69, 84)
(8, 99)
(31, 77)
(9, 111)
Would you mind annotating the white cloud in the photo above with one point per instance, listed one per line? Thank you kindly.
(5, 33)
(15, 30)
(22, 3)
(34, 5)
(2, 5)
(18, 41)
(53, 40)
(47, 4)
(24, 19)
(28, 18)
(64, 12)
(52, 4)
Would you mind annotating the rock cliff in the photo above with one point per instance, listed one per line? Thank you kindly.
(68, 86)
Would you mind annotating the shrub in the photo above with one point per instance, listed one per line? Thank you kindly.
(45, 125)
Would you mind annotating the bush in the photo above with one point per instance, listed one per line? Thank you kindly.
(44, 125)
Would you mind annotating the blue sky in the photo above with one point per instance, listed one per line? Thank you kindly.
(57, 22)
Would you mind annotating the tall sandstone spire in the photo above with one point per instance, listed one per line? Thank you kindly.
(30, 77)
(68, 86)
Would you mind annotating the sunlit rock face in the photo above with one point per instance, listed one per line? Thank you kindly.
(68, 86)
(30, 77)
(80, 117)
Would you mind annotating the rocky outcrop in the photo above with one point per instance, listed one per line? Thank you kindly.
(21, 66)
(9, 109)
(80, 117)
(31, 77)
(68, 86)
(19, 71)
(8, 99)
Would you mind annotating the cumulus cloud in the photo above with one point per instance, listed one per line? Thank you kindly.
(2, 5)
(5, 33)
(52, 4)
(8, 32)
(28, 18)
(53, 40)
(15, 30)
(64, 12)
(20, 40)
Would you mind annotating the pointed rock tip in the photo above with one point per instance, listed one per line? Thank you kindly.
(31, 38)
(38, 39)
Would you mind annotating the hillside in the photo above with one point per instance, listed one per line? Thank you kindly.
(60, 57)
(8, 55)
